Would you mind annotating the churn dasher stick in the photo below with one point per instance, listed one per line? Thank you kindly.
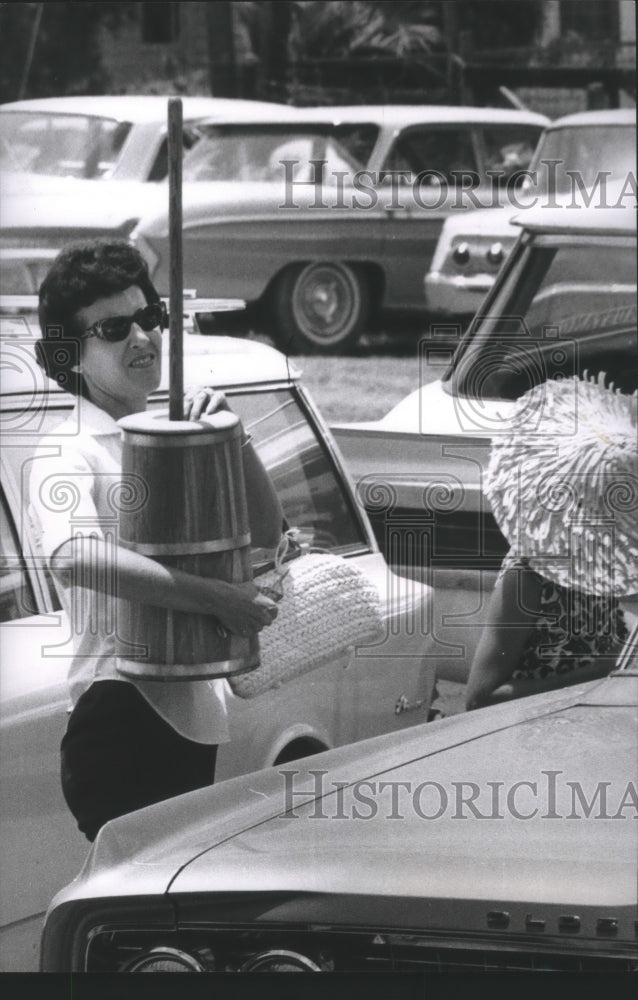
(176, 284)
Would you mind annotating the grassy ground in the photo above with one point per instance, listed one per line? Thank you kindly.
(362, 388)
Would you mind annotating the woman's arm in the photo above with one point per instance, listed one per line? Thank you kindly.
(521, 687)
(91, 563)
(265, 512)
(513, 608)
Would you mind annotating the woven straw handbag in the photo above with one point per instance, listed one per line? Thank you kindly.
(326, 604)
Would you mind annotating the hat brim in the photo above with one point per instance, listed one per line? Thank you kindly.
(565, 494)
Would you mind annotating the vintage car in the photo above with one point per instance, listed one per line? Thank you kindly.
(232, 195)
(564, 303)
(57, 154)
(581, 157)
(120, 138)
(322, 225)
(382, 687)
(504, 840)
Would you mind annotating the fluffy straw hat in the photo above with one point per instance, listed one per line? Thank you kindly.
(564, 485)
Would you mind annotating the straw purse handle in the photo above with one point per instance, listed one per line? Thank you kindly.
(292, 544)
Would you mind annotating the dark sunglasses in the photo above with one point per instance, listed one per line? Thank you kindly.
(117, 328)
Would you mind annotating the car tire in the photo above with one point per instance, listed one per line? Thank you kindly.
(319, 308)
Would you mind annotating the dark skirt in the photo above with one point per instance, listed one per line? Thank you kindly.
(119, 755)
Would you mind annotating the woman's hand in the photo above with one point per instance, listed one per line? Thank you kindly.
(200, 399)
(505, 692)
(242, 608)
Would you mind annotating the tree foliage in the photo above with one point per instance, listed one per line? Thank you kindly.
(66, 56)
(351, 28)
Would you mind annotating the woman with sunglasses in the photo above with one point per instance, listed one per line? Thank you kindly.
(128, 743)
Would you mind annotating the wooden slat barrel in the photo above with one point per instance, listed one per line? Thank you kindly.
(189, 513)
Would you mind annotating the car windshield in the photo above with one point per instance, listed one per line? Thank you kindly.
(570, 309)
(61, 145)
(584, 152)
(259, 152)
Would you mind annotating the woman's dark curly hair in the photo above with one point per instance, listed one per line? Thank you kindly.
(82, 273)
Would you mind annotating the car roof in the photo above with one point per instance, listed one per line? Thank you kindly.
(223, 362)
(618, 221)
(407, 114)
(401, 115)
(606, 116)
(140, 109)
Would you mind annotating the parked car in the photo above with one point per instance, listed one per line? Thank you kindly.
(324, 223)
(121, 137)
(57, 155)
(564, 303)
(382, 687)
(472, 248)
(501, 840)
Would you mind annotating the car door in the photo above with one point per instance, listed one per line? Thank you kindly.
(41, 848)
(426, 167)
(356, 696)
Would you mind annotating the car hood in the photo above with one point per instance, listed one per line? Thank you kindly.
(243, 835)
(32, 201)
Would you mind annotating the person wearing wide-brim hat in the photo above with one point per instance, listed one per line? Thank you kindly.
(563, 487)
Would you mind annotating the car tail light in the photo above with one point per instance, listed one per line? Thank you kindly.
(496, 254)
(462, 253)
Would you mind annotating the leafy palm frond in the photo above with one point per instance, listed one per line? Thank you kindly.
(339, 28)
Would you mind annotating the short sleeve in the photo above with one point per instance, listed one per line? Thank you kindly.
(61, 498)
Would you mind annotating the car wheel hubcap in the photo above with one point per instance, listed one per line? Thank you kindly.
(326, 303)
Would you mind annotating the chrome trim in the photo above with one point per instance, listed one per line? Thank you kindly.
(186, 548)
(160, 952)
(276, 954)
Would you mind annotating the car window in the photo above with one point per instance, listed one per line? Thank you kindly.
(16, 595)
(508, 149)
(257, 153)
(299, 465)
(573, 311)
(449, 152)
(60, 144)
(159, 170)
(585, 151)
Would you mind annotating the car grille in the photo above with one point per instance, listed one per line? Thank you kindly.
(246, 949)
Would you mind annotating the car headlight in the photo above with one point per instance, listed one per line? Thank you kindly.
(164, 959)
(280, 961)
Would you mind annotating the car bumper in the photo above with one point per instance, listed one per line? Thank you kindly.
(456, 294)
